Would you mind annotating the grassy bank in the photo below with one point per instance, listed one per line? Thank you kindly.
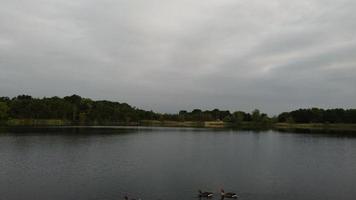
(166, 123)
(197, 124)
(206, 124)
(252, 125)
(36, 122)
(60, 122)
(316, 126)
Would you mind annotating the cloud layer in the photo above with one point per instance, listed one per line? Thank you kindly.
(168, 55)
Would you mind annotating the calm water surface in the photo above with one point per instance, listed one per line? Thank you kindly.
(173, 163)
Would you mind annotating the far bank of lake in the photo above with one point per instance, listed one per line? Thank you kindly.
(192, 124)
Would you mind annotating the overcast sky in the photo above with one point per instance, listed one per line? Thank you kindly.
(168, 55)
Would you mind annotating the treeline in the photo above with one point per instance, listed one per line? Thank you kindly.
(83, 110)
(70, 108)
(77, 109)
(317, 115)
(219, 115)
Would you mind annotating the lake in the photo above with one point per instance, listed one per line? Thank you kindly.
(106, 163)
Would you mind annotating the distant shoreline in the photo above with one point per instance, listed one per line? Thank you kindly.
(191, 124)
(316, 126)
(76, 110)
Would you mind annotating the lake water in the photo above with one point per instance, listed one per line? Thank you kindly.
(174, 163)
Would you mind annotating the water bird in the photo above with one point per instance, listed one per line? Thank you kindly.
(228, 194)
(205, 194)
(127, 198)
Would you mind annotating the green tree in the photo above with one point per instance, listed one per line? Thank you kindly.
(3, 111)
(182, 115)
(238, 116)
(227, 118)
(256, 115)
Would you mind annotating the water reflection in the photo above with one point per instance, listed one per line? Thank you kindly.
(173, 163)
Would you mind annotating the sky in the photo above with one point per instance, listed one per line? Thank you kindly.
(171, 55)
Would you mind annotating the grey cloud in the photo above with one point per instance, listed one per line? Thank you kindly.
(169, 55)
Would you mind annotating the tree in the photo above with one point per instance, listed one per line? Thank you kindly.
(182, 115)
(77, 109)
(227, 118)
(197, 114)
(3, 111)
(283, 117)
(317, 115)
(238, 116)
(256, 116)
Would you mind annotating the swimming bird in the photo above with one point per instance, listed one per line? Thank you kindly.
(228, 194)
(205, 194)
(127, 198)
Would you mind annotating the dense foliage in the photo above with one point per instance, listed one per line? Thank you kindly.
(72, 108)
(317, 115)
(223, 115)
(77, 109)
(83, 110)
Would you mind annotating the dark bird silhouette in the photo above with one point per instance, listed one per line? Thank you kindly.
(228, 194)
(127, 198)
(205, 194)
